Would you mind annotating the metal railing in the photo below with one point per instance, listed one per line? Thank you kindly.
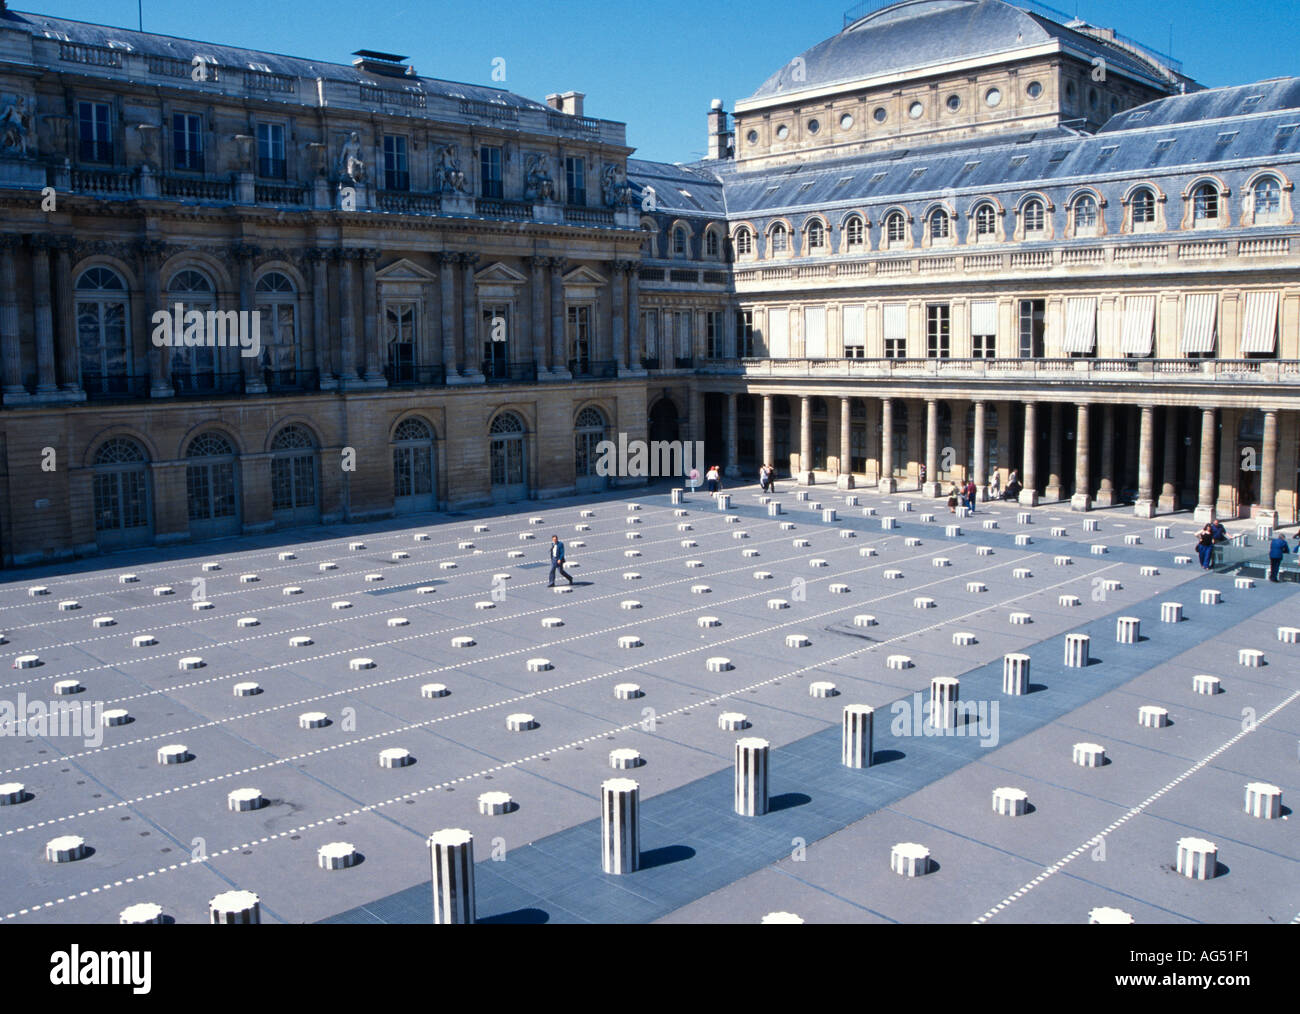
(108, 387)
(593, 369)
(291, 381)
(510, 373)
(1247, 371)
(207, 385)
(415, 375)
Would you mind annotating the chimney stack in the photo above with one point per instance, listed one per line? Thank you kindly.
(721, 139)
(568, 102)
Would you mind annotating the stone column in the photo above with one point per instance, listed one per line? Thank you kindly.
(150, 253)
(1082, 499)
(846, 444)
(1145, 506)
(537, 321)
(469, 316)
(447, 308)
(1055, 487)
(66, 319)
(1169, 467)
(559, 354)
(980, 464)
(733, 443)
(618, 322)
(1268, 470)
(10, 346)
(1206, 489)
(768, 439)
(805, 476)
(634, 317)
(1029, 477)
(1227, 503)
(1106, 488)
(321, 338)
(248, 366)
(886, 483)
(370, 317)
(43, 313)
(931, 486)
(347, 318)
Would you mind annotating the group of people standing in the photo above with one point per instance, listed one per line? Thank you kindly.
(962, 495)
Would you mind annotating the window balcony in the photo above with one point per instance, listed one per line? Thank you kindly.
(291, 381)
(415, 375)
(114, 387)
(510, 373)
(593, 369)
(207, 385)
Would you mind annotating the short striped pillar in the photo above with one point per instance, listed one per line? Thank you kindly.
(781, 918)
(235, 908)
(1263, 800)
(1127, 629)
(828, 515)
(850, 501)
(1162, 532)
(908, 859)
(1198, 859)
(751, 776)
(675, 496)
(1205, 684)
(1089, 755)
(1153, 717)
(1288, 635)
(888, 523)
(620, 825)
(1089, 525)
(856, 742)
(142, 914)
(944, 694)
(1109, 916)
(1251, 657)
(724, 501)
(1009, 802)
(774, 508)
(451, 852)
(1171, 612)
(1076, 650)
(1211, 596)
(1015, 674)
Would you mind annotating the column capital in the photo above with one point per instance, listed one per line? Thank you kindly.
(447, 257)
(559, 264)
(537, 263)
(316, 254)
(347, 253)
(369, 253)
(468, 260)
(41, 241)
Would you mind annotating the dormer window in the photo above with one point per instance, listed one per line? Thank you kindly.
(1144, 209)
(816, 237)
(1268, 200)
(986, 222)
(895, 228)
(938, 225)
(1205, 205)
(1034, 217)
(853, 232)
(744, 243)
(780, 239)
(1085, 216)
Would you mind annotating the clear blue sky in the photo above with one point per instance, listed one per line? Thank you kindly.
(656, 66)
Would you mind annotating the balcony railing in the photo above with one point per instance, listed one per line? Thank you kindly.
(593, 369)
(415, 375)
(291, 381)
(189, 188)
(109, 387)
(510, 373)
(291, 194)
(207, 385)
(490, 207)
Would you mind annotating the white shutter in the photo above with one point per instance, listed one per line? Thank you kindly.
(1080, 324)
(984, 317)
(814, 332)
(1260, 331)
(895, 322)
(778, 333)
(1199, 316)
(855, 326)
(1139, 325)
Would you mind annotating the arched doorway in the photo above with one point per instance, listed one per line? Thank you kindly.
(588, 431)
(664, 423)
(414, 483)
(294, 497)
(123, 508)
(211, 486)
(508, 458)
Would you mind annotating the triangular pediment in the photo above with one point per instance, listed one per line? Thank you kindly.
(403, 270)
(583, 275)
(499, 274)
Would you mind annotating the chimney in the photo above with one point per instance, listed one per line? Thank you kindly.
(569, 103)
(721, 140)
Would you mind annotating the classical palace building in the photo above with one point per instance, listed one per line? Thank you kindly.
(960, 238)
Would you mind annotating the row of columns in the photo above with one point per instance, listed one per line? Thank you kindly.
(1148, 502)
(57, 368)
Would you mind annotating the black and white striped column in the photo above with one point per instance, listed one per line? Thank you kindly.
(1198, 859)
(1076, 650)
(620, 826)
(944, 692)
(1263, 800)
(235, 908)
(1128, 629)
(751, 776)
(451, 852)
(857, 738)
(1015, 674)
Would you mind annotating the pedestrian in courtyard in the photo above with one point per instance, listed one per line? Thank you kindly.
(1205, 545)
(995, 487)
(952, 499)
(1276, 550)
(711, 477)
(1219, 531)
(970, 495)
(557, 561)
(922, 473)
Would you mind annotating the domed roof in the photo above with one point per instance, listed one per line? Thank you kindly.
(915, 34)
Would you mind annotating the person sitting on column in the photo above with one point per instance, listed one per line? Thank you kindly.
(1276, 550)
(922, 482)
(557, 561)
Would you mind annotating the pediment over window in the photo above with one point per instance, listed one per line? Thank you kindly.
(403, 270)
(583, 275)
(499, 274)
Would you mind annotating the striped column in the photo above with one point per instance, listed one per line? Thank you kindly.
(908, 859)
(944, 694)
(1198, 859)
(235, 908)
(1127, 629)
(857, 738)
(751, 776)
(1263, 800)
(1171, 612)
(1010, 802)
(1015, 674)
(620, 826)
(451, 852)
(675, 496)
(1076, 650)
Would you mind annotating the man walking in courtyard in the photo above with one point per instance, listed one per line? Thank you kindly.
(557, 561)
(1276, 550)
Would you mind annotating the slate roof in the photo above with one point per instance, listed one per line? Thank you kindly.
(692, 191)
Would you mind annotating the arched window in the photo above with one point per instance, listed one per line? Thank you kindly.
(744, 243)
(648, 239)
(816, 236)
(1267, 194)
(1034, 216)
(895, 228)
(1205, 204)
(1144, 208)
(121, 494)
(679, 242)
(854, 233)
(938, 224)
(712, 247)
(1086, 219)
(413, 471)
(293, 475)
(588, 432)
(506, 460)
(780, 239)
(210, 485)
(277, 300)
(193, 368)
(986, 222)
(103, 331)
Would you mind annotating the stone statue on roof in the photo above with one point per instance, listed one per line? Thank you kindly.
(15, 126)
(352, 165)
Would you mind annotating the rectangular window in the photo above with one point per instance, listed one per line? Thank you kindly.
(187, 141)
(744, 333)
(575, 180)
(1080, 326)
(855, 331)
(396, 175)
(94, 133)
(1139, 326)
(489, 163)
(895, 330)
(814, 332)
(650, 334)
(1259, 331)
(983, 329)
(1033, 326)
(778, 330)
(685, 332)
(713, 335)
(579, 326)
(270, 151)
(938, 331)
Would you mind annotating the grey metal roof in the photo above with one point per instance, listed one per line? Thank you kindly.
(920, 33)
(1211, 104)
(679, 190)
(232, 56)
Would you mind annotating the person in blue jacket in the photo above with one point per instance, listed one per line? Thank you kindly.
(1276, 550)
(557, 561)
